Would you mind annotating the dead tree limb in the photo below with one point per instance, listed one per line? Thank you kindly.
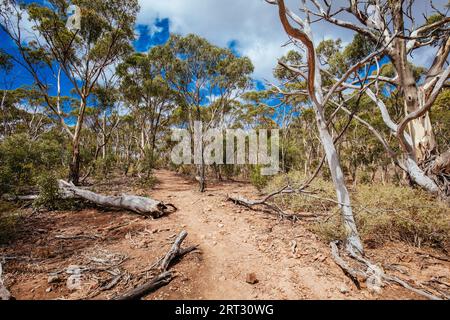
(272, 207)
(140, 205)
(174, 251)
(353, 274)
(407, 286)
(4, 293)
(163, 279)
(160, 281)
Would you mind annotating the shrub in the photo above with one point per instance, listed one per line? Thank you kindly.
(257, 179)
(382, 212)
(49, 195)
(22, 160)
(104, 166)
(148, 181)
(9, 222)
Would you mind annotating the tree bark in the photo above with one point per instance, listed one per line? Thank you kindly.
(139, 205)
(74, 174)
(74, 168)
(315, 91)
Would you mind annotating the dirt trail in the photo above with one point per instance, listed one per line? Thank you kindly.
(288, 260)
(236, 242)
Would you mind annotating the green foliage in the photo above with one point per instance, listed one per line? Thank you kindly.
(49, 195)
(104, 166)
(292, 57)
(10, 219)
(257, 179)
(358, 49)
(22, 160)
(148, 181)
(440, 117)
(5, 61)
(301, 203)
(194, 66)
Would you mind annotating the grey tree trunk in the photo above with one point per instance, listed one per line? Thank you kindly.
(139, 205)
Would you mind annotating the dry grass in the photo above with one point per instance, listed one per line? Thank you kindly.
(383, 213)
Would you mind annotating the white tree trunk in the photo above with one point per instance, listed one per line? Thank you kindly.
(139, 205)
(419, 176)
(337, 174)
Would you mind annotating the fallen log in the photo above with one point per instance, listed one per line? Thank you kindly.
(4, 293)
(163, 279)
(140, 205)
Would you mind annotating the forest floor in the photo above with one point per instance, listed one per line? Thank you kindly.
(114, 251)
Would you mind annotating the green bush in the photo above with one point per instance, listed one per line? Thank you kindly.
(148, 181)
(9, 222)
(105, 166)
(22, 160)
(257, 179)
(49, 195)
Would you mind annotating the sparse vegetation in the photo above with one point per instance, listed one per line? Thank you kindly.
(100, 113)
(10, 218)
(383, 212)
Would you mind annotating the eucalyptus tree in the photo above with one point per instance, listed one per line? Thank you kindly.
(5, 67)
(149, 96)
(384, 24)
(319, 99)
(397, 31)
(207, 79)
(54, 51)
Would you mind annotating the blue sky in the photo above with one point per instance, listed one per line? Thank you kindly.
(249, 28)
(151, 35)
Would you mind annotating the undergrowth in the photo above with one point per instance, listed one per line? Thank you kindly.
(382, 212)
(9, 221)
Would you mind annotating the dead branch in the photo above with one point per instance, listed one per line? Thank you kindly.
(251, 204)
(175, 252)
(405, 285)
(78, 237)
(160, 281)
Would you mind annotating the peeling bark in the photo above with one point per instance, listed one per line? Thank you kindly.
(315, 90)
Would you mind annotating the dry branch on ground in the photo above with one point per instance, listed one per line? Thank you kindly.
(165, 277)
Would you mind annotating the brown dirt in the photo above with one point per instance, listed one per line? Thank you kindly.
(236, 244)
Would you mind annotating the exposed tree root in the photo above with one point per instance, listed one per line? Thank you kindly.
(163, 279)
(373, 275)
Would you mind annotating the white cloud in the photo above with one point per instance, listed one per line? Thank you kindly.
(254, 24)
